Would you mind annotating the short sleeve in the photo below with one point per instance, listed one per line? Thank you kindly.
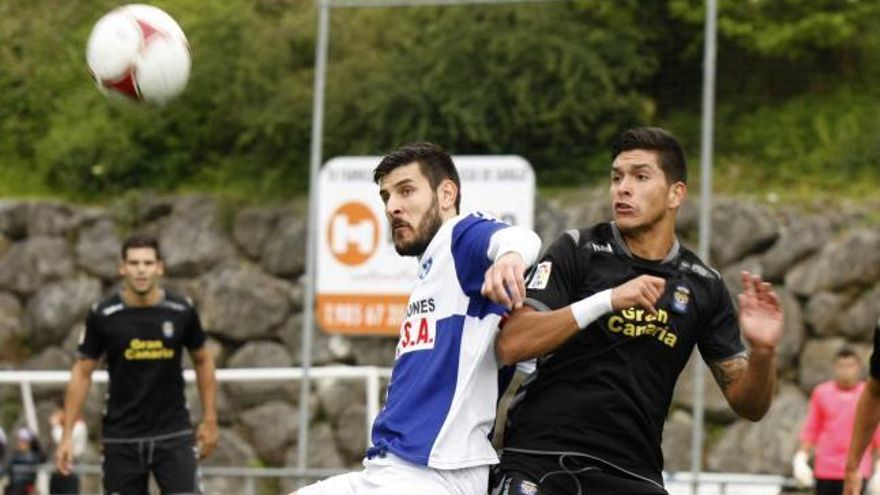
(92, 342)
(470, 247)
(875, 355)
(551, 283)
(195, 335)
(720, 339)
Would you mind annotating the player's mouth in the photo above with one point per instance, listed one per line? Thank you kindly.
(623, 208)
(398, 226)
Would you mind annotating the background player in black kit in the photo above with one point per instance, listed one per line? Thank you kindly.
(613, 313)
(140, 333)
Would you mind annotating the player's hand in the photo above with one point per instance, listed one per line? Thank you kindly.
(852, 482)
(760, 312)
(206, 438)
(643, 291)
(873, 487)
(64, 456)
(800, 467)
(504, 282)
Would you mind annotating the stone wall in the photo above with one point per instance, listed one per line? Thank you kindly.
(242, 267)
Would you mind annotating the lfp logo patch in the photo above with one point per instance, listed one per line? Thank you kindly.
(541, 275)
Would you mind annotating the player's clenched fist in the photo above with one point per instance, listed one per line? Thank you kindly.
(504, 282)
(643, 291)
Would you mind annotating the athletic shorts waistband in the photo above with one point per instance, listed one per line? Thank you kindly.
(155, 438)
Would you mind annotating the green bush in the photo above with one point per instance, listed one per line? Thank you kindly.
(806, 145)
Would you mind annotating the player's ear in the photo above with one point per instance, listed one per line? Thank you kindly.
(677, 194)
(447, 192)
(160, 267)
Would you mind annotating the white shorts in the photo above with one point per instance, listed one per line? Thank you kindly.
(391, 475)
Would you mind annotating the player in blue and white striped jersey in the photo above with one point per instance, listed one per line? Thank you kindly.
(432, 435)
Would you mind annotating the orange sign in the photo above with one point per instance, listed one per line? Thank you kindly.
(362, 284)
(359, 314)
(353, 233)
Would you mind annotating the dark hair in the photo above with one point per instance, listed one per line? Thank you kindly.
(434, 163)
(141, 241)
(671, 155)
(847, 352)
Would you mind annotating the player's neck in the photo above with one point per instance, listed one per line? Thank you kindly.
(133, 299)
(846, 385)
(447, 214)
(652, 242)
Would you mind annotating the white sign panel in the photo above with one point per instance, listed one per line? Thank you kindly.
(362, 283)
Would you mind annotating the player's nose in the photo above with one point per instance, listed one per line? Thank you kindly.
(623, 187)
(393, 207)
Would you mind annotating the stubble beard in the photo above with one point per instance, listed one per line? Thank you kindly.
(425, 232)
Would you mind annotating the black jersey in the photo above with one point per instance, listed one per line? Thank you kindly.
(605, 393)
(142, 347)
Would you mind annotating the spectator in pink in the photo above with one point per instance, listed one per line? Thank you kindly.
(827, 429)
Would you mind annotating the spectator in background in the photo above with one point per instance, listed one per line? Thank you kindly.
(21, 468)
(60, 483)
(826, 431)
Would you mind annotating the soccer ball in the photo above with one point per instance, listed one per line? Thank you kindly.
(140, 52)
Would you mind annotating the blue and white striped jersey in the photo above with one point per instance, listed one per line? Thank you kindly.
(444, 386)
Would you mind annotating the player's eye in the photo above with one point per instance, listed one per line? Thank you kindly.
(644, 177)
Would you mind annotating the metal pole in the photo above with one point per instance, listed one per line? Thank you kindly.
(706, 145)
(372, 401)
(30, 411)
(311, 237)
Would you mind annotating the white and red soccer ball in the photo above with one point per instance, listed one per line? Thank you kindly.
(140, 52)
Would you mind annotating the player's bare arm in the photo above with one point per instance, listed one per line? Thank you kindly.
(77, 390)
(748, 382)
(867, 419)
(729, 370)
(528, 333)
(207, 434)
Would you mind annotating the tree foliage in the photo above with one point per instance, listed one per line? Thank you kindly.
(552, 82)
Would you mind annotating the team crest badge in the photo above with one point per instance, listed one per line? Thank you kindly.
(425, 268)
(540, 275)
(681, 298)
(168, 329)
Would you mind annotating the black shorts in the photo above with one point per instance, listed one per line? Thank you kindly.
(172, 460)
(833, 487)
(565, 475)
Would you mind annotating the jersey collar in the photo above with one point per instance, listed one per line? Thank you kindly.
(621, 244)
(162, 297)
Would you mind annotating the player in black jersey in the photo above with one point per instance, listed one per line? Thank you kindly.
(867, 418)
(612, 315)
(141, 333)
